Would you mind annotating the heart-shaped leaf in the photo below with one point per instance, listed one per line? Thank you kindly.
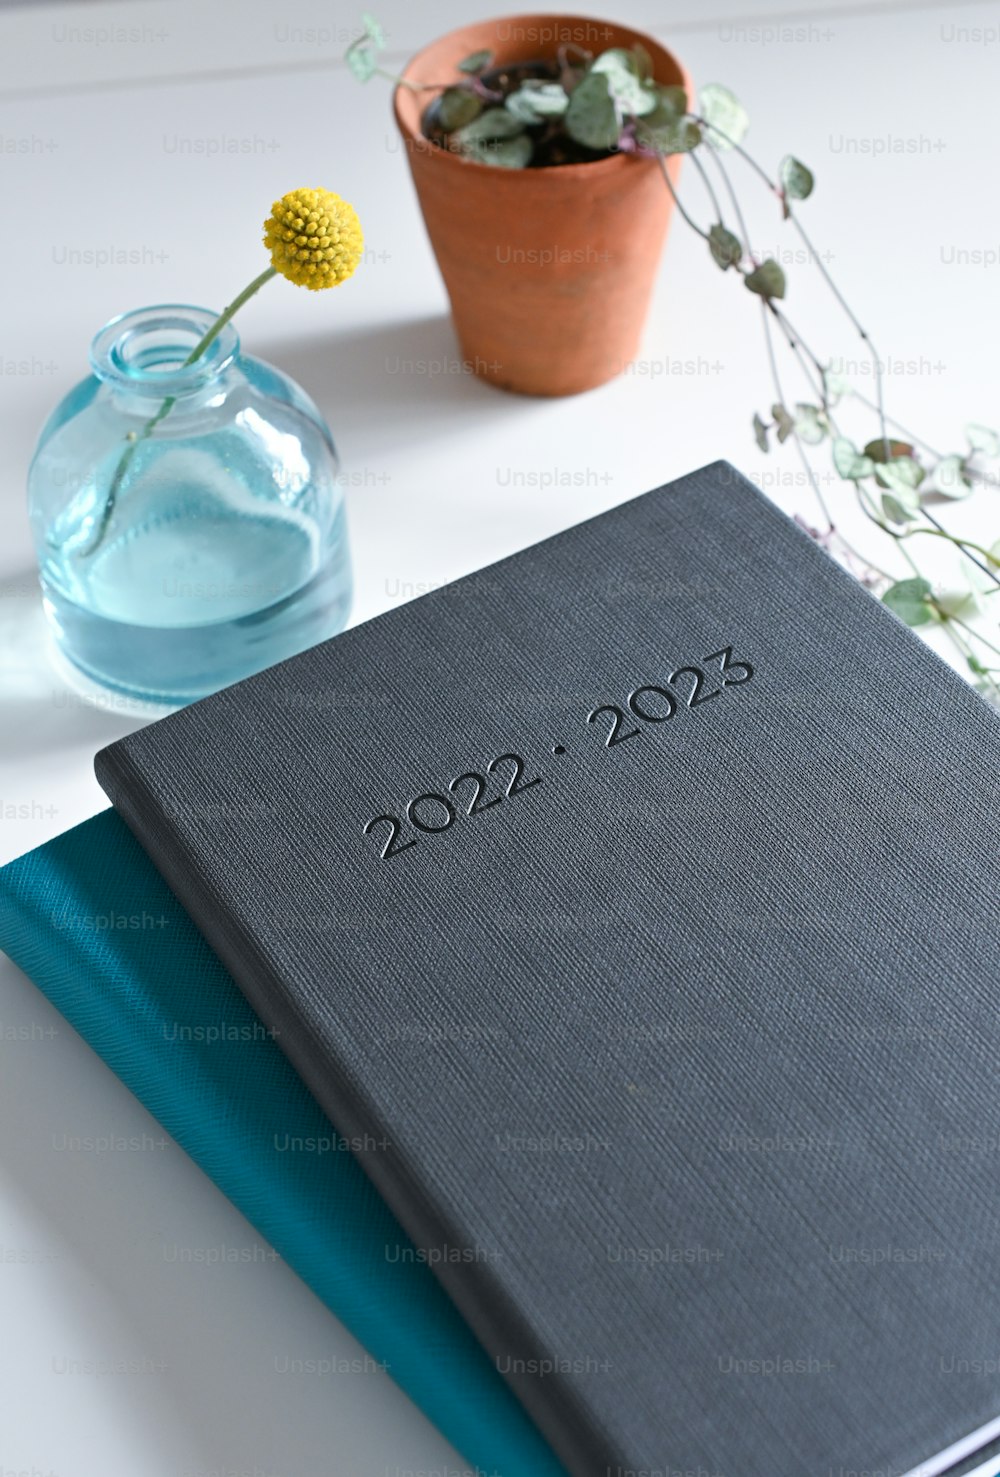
(959, 603)
(948, 478)
(362, 60)
(796, 180)
(534, 101)
(784, 423)
(493, 123)
(810, 424)
(373, 29)
(981, 438)
(456, 108)
(760, 433)
(876, 449)
(633, 96)
(724, 114)
(477, 62)
(671, 99)
(726, 249)
(664, 132)
(902, 476)
(848, 461)
(504, 153)
(519, 105)
(894, 510)
(767, 280)
(910, 600)
(836, 386)
(591, 118)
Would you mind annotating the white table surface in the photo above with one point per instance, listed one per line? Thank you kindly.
(162, 131)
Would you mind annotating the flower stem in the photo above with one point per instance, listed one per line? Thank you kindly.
(684, 214)
(790, 215)
(710, 191)
(806, 463)
(801, 350)
(136, 439)
(228, 313)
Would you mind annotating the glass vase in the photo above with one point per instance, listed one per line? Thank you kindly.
(188, 519)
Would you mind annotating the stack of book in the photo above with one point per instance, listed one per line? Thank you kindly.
(625, 914)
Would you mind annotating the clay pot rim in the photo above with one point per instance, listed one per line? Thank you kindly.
(417, 140)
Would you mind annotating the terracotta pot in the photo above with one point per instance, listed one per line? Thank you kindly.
(549, 271)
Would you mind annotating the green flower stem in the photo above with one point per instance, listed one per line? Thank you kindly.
(799, 346)
(862, 333)
(734, 199)
(776, 380)
(807, 360)
(685, 216)
(786, 329)
(405, 81)
(810, 472)
(804, 354)
(973, 632)
(914, 566)
(862, 559)
(228, 313)
(964, 647)
(874, 516)
(709, 189)
(136, 439)
(801, 351)
(963, 545)
(953, 538)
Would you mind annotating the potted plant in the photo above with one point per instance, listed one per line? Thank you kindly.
(538, 160)
(513, 131)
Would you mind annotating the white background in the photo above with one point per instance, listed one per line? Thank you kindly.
(124, 145)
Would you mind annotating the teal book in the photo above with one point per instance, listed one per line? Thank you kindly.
(165, 1015)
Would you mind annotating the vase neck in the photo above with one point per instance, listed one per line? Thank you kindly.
(143, 352)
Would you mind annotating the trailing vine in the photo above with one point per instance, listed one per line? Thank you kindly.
(583, 105)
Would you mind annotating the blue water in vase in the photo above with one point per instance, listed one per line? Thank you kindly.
(221, 550)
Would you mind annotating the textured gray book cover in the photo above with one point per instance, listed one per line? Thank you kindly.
(632, 905)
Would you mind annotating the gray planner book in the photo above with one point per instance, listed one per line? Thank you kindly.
(631, 907)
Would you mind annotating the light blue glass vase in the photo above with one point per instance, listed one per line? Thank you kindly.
(177, 557)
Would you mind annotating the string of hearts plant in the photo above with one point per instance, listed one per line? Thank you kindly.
(586, 106)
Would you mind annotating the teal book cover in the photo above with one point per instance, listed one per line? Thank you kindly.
(228, 1095)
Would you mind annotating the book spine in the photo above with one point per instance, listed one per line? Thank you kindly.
(497, 1323)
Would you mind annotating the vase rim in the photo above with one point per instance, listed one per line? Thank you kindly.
(143, 350)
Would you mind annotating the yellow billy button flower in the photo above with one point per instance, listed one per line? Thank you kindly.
(314, 238)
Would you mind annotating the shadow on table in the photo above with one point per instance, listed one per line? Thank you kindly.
(382, 387)
(395, 384)
(127, 1229)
